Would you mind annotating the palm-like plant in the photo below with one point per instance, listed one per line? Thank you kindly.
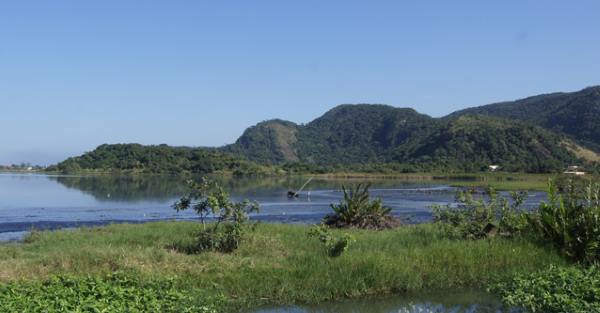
(358, 210)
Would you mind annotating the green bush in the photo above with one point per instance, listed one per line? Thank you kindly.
(115, 293)
(572, 290)
(232, 222)
(570, 221)
(357, 210)
(335, 245)
(485, 216)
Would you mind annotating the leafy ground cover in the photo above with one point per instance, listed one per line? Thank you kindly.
(115, 293)
(557, 289)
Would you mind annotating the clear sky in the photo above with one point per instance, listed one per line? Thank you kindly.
(76, 74)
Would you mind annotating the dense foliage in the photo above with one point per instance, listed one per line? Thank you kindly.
(570, 221)
(231, 221)
(556, 290)
(485, 215)
(472, 143)
(115, 293)
(356, 209)
(576, 113)
(136, 158)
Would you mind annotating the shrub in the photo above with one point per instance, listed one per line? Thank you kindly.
(570, 221)
(485, 216)
(117, 292)
(232, 222)
(357, 210)
(573, 290)
(334, 245)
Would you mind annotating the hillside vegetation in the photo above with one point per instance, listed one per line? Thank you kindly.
(575, 113)
(377, 134)
(161, 159)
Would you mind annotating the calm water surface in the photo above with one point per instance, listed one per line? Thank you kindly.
(49, 202)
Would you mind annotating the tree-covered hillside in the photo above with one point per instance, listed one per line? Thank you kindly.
(379, 134)
(576, 114)
(346, 134)
(360, 133)
(269, 142)
(136, 158)
(472, 143)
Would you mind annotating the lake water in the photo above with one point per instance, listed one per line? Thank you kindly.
(35, 201)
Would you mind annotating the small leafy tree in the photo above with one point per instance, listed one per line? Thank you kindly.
(334, 245)
(570, 221)
(358, 210)
(479, 217)
(231, 222)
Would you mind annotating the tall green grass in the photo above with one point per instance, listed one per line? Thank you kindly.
(278, 264)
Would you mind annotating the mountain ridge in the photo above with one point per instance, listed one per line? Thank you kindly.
(543, 133)
(575, 114)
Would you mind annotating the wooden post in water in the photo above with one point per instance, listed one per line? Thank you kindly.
(292, 194)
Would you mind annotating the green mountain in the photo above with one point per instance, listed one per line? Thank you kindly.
(359, 134)
(576, 114)
(346, 134)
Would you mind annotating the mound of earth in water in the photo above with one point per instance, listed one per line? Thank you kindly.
(373, 222)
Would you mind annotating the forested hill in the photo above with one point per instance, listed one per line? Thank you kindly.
(539, 134)
(163, 159)
(345, 134)
(367, 134)
(576, 114)
(472, 143)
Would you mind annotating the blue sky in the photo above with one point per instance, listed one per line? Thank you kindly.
(76, 74)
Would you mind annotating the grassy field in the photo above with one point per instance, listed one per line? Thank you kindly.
(278, 264)
(502, 181)
(499, 181)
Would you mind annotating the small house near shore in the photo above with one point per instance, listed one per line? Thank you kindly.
(574, 170)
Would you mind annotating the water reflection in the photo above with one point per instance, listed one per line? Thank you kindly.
(125, 188)
(49, 202)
